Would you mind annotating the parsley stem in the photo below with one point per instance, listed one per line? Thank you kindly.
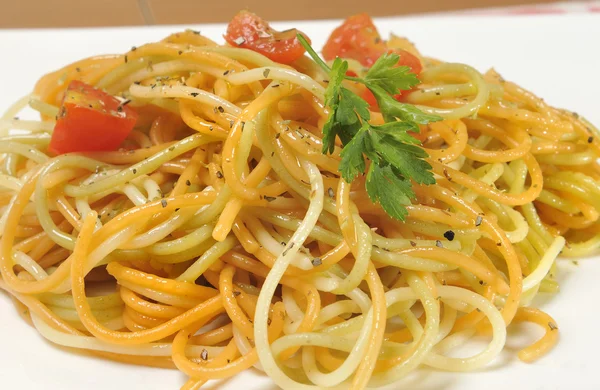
(313, 54)
(356, 80)
(393, 158)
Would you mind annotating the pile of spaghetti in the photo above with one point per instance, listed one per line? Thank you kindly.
(217, 236)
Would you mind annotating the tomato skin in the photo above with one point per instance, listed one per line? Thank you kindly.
(368, 96)
(249, 31)
(410, 60)
(358, 39)
(90, 120)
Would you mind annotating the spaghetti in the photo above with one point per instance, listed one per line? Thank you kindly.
(218, 237)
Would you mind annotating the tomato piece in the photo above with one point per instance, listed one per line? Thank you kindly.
(250, 31)
(403, 94)
(410, 60)
(368, 96)
(358, 39)
(90, 120)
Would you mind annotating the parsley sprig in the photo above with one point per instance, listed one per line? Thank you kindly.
(394, 154)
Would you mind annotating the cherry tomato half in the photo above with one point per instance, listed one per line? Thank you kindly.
(358, 39)
(90, 120)
(250, 31)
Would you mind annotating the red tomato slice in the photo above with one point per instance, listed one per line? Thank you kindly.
(90, 120)
(250, 31)
(368, 96)
(358, 39)
(409, 59)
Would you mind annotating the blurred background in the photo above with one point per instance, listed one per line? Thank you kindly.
(93, 13)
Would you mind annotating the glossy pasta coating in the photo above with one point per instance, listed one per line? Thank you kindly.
(229, 241)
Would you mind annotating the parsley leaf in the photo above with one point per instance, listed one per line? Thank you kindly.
(332, 126)
(391, 153)
(353, 161)
(391, 191)
(336, 76)
(347, 109)
(386, 75)
(352, 107)
(330, 129)
(392, 109)
(407, 159)
(399, 131)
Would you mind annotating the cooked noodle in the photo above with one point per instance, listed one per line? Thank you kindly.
(220, 238)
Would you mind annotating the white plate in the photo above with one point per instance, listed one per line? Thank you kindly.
(555, 56)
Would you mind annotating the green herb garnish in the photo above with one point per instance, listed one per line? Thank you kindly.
(393, 152)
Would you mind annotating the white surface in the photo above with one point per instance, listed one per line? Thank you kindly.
(555, 56)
